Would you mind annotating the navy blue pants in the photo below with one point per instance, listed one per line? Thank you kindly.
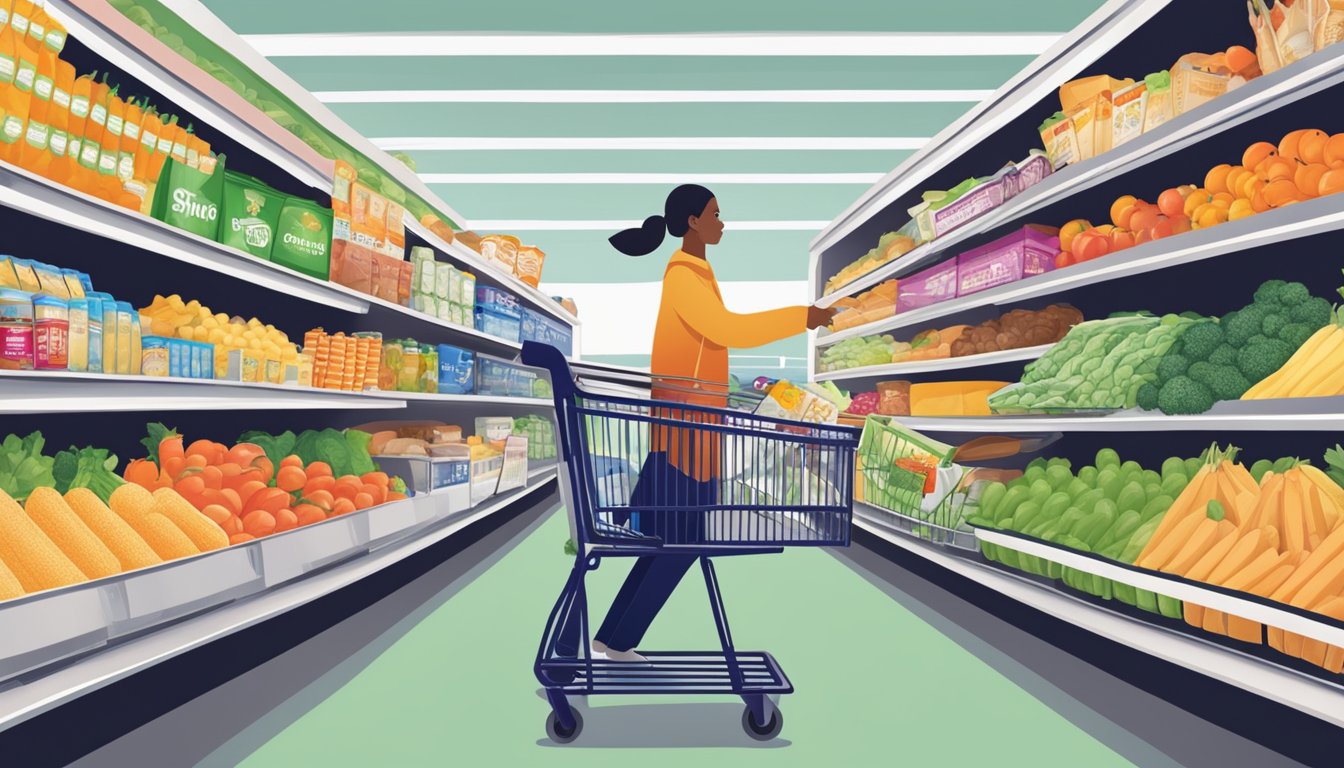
(653, 578)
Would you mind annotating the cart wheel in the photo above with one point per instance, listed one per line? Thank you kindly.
(558, 733)
(764, 732)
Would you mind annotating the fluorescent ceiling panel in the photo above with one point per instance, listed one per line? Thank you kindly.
(650, 178)
(839, 96)
(735, 143)
(511, 225)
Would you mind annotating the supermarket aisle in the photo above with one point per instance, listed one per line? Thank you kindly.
(452, 681)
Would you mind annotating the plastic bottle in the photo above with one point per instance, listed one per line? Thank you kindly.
(110, 148)
(19, 91)
(33, 149)
(79, 334)
(9, 65)
(68, 170)
(58, 117)
(125, 329)
(92, 146)
(130, 141)
(95, 303)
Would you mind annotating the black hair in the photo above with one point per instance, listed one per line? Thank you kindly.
(682, 203)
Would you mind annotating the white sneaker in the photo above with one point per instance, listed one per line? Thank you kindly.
(601, 648)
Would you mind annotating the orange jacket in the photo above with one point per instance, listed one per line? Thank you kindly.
(690, 342)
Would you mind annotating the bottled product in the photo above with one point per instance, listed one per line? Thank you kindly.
(79, 334)
(51, 333)
(16, 329)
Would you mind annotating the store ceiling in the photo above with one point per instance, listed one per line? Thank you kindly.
(551, 121)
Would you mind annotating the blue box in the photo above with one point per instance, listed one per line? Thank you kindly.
(457, 371)
(542, 329)
(501, 378)
(179, 358)
(495, 324)
(502, 302)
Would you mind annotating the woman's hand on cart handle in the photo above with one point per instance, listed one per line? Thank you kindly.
(819, 316)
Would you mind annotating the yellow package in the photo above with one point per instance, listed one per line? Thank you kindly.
(1130, 107)
(1087, 102)
(1197, 78)
(8, 278)
(1159, 108)
(953, 398)
(26, 275)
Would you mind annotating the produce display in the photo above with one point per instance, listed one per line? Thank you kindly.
(870, 306)
(1272, 531)
(890, 247)
(1017, 329)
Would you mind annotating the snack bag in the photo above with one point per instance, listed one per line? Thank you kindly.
(304, 238)
(251, 213)
(188, 199)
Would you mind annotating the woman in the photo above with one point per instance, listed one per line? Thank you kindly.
(693, 334)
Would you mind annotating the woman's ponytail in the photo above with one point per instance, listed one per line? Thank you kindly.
(682, 203)
(641, 240)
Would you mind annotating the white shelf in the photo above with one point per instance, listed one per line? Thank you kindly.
(1311, 75)
(27, 392)
(1063, 61)
(933, 366)
(115, 38)
(1306, 414)
(121, 660)
(1312, 217)
(1305, 694)
(473, 338)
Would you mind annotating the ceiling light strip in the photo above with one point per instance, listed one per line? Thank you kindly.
(649, 178)
(734, 143)
(654, 97)
(346, 45)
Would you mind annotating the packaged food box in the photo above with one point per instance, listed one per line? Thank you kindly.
(16, 329)
(935, 284)
(188, 199)
(385, 276)
(1027, 252)
(528, 267)
(457, 370)
(1192, 84)
(251, 212)
(490, 322)
(404, 284)
(494, 430)
(1160, 100)
(154, 352)
(1027, 174)
(1088, 102)
(953, 398)
(1130, 108)
(541, 328)
(352, 266)
(303, 240)
(500, 378)
(499, 301)
(73, 282)
(1060, 140)
(981, 199)
(448, 473)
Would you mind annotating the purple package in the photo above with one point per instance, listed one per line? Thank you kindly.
(969, 206)
(1029, 251)
(1028, 173)
(935, 284)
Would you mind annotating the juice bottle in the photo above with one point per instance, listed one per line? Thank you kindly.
(130, 141)
(141, 183)
(67, 170)
(192, 147)
(58, 116)
(180, 143)
(56, 35)
(18, 96)
(111, 147)
(37, 27)
(9, 64)
(33, 150)
(92, 145)
(207, 161)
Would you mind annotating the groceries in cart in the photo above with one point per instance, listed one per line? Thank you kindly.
(819, 403)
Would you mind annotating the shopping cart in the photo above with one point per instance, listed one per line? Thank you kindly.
(779, 484)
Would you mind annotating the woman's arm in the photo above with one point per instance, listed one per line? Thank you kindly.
(699, 307)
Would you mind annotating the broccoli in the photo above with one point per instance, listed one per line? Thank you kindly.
(1258, 338)
(1296, 334)
(1257, 361)
(1225, 354)
(1242, 325)
(1268, 292)
(1192, 316)
(1147, 396)
(1272, 324)
(1200, 339)
(1315, 312)
(1293, 294)
(1171, 366)
(1225, 381)
(1184, 395)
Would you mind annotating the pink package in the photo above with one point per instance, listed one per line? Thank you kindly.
(1029, 251)
(935, 284)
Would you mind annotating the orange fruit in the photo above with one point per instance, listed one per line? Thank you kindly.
(1171, 202)
(1121, 239)
(1091, 245)
(1211, 215)
(1308, 178)
(1104, 229)
(1223, 199)
(1180, 225)
(1334, 149)
(1241, 208)
(1163, 228)
(1144, 219)
(1072, 230)
(1216, 179)
(1258, 152)
(1258, 203)
(1280, 168)
(1332, 181)
(1235, 177)
(1279, 192)
(1064, 259)
(1195, 199)
(1120, 204)
(1250, 185)
(1288, 144)
(1311, 146)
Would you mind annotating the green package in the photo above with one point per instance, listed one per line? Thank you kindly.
(251, 212)
(303, 238)
(189, 199)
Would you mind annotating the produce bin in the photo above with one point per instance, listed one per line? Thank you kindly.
(52, 625)
(179, 588)
(914, 485)
(289, 555)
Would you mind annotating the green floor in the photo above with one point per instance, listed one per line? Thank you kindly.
(874, 682)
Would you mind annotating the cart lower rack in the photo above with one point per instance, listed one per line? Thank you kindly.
(673, 484)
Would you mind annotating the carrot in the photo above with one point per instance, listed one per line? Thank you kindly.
(270, 500)
(375, 478)
(291, 461)
(394, 496)
(1215, 622)
(213, 477)
(217, 514)
(230, 500)
(1248, 631)
(174, 466)
(1181, 510)
(1208, 534)
(229, 470)
(170, 447)
(376, 492)
(290, 479)
(142, 472)
(318, 469)
(1241, 553)
(1164, 550)
(1259, 567)
(323, 499)
(343, 507)
(1329, 550)
(233, 526)
(363, 501)
(196, 461)
(1326, 583)
(319, 483)
(247, 490)
(244, 454)
(267, 468)
(1214, 555)
(259, 523)
(239, 538)
(307, 514)
(191, 485)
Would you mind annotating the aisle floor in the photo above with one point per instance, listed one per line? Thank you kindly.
(874, 682)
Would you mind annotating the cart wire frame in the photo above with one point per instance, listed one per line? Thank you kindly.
(777, 484)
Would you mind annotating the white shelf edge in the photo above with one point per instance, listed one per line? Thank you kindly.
(1062, 61)
(29, 392)
(1311, 75)
(124, 659)
(1289, 223)
(470, 333)
(934, 366)
(1134, 421)
(1305, 694)
(205, 21)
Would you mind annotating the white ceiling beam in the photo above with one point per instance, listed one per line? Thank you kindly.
(838, 96)
(735, 143)
(345, 45)
(609, 226)
(649, 178)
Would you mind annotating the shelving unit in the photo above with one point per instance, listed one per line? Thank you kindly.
(1321, 696)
